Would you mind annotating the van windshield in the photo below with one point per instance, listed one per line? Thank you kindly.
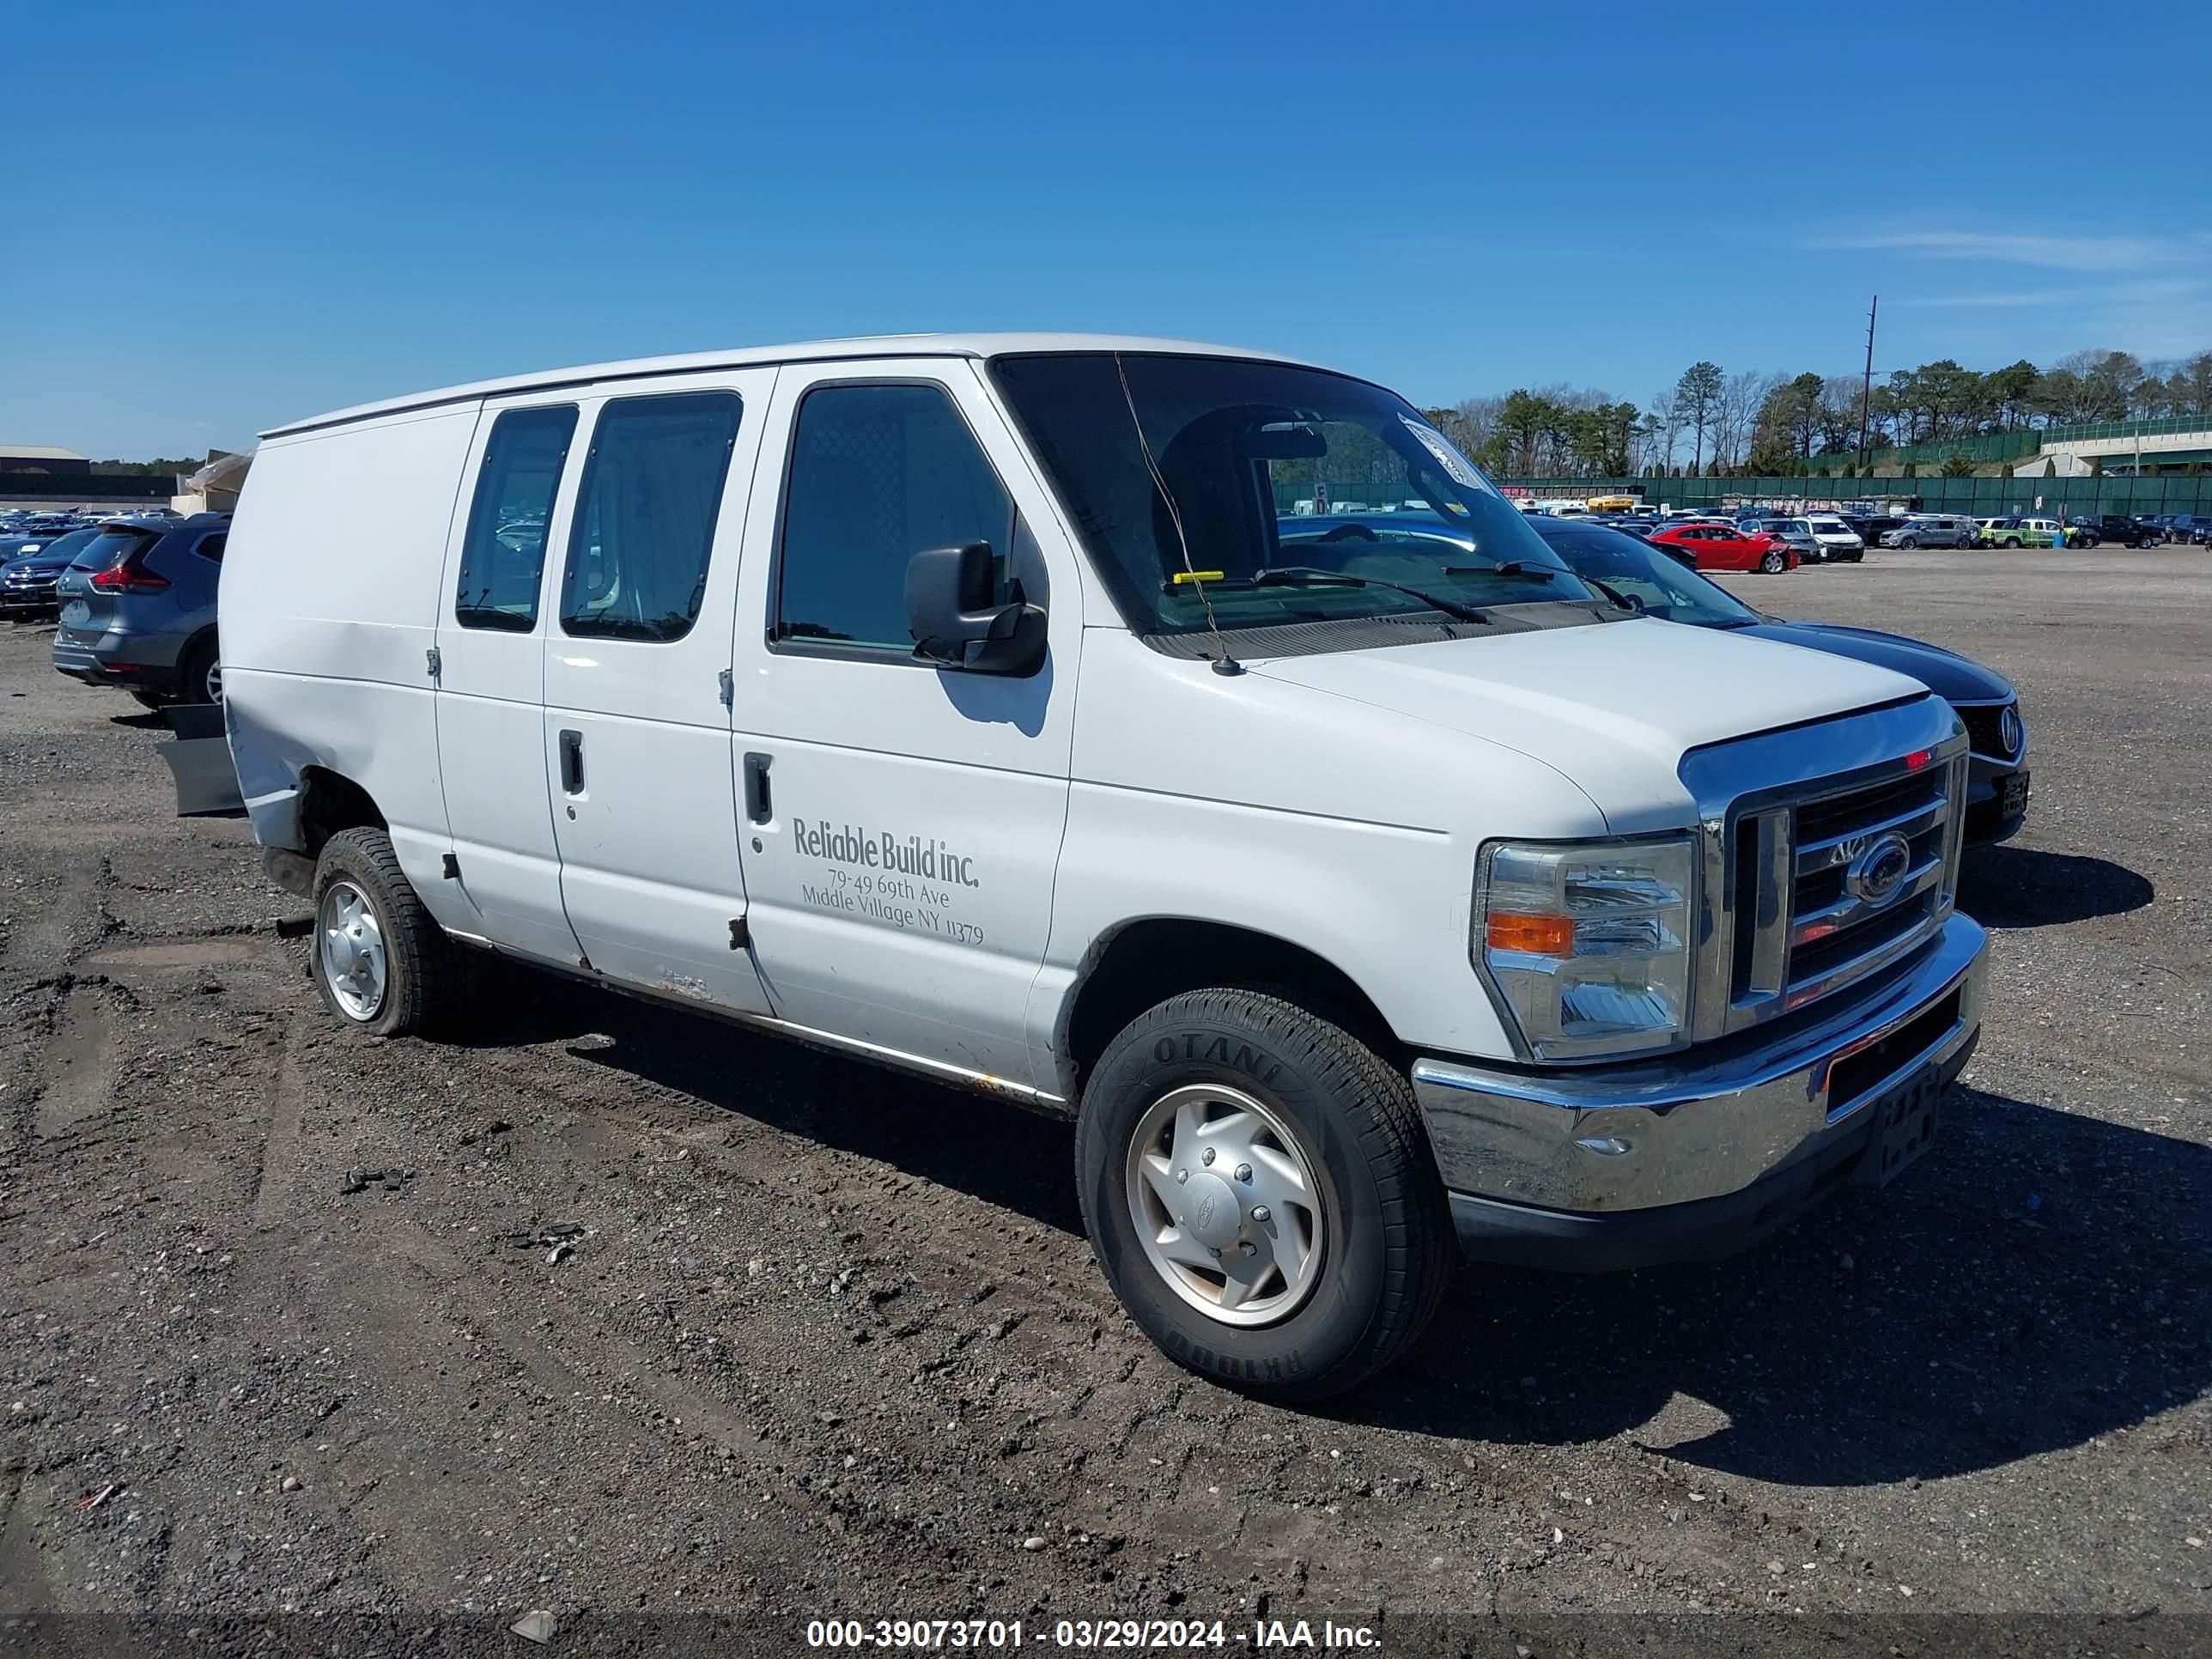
(1270, 494)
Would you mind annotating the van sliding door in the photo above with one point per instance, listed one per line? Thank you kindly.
(635, 740)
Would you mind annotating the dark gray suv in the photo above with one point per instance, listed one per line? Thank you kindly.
(139, 608)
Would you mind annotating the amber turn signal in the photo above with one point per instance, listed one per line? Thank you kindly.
(1536, 936)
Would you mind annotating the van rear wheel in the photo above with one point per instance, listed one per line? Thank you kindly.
(380, 959)
(1259, 1192)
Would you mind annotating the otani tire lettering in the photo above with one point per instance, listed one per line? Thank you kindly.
(1321, 1165)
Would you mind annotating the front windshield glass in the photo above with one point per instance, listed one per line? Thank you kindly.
(1282, 494)
(1638, 571)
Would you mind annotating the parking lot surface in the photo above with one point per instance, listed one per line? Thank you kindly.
(294, 1319)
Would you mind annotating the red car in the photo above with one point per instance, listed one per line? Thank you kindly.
(1722, 547)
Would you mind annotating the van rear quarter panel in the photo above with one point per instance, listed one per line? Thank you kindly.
(330, 605)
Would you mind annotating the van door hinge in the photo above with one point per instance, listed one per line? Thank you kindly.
(740, 935)
(432, 662)
(729, 689)
(452, 868)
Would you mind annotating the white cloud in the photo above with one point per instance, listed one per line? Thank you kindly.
(2100, 254)
(2047, 296)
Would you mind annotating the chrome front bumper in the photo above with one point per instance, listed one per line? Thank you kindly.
(1680, 1129)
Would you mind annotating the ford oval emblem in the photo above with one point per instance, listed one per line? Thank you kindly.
(2008, 731)
(1875, 876)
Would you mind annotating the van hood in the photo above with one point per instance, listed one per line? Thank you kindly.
(1613, 707)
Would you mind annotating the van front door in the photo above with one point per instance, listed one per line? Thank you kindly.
(636, 736)
(903, 822)
(491, 678)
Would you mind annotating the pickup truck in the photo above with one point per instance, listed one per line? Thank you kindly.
(963, 704)
(2021, 532)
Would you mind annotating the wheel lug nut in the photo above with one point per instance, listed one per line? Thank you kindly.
(1183, 1175)
(1244, 1172)
(1215, 1253)
(1260, 1213)
(1208, 1157)
(1249, 1248)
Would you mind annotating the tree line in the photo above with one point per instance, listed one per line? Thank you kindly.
(1749, 422)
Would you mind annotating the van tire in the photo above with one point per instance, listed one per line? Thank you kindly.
(428, 980)
(1387, 1243)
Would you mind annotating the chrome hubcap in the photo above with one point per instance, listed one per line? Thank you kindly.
(1227, 1205)
(351, 947)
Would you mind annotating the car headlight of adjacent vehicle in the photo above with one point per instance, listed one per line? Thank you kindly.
(1589, 943)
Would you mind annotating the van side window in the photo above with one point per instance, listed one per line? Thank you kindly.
(503, 558)
(877, 474)
(211, 547)
(645, 516)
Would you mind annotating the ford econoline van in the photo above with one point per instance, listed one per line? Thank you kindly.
(983, 706)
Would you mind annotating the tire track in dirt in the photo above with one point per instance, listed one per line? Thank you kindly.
(78, 1066)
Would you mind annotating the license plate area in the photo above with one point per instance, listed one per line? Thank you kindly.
(2012, 794)
(1905, 1128)
(75, 613)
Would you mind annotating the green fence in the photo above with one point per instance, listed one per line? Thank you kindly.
(2167, 493)
(84, 486)
(1988, 448)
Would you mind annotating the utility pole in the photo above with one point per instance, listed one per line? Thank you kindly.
(1866, 386)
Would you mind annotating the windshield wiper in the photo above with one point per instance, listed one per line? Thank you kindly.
(1542, 572)
(1302, 575)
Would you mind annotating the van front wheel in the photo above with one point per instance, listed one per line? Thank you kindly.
(1260, 1191)
(379, 957)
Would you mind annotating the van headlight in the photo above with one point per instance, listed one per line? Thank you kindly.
(1588, 943)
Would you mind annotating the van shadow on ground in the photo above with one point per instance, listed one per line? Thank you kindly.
(2038, 1280)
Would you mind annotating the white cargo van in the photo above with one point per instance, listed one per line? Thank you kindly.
(1362, 888)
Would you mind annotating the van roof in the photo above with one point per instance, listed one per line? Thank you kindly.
(874, 345)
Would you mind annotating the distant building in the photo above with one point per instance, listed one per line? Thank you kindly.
(37, 457)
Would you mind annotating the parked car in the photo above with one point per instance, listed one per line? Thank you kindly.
(1464, 817)
(2115, 527)
(2021, 532)
(1723, 547)
(2192, 527)
(27, 582)
(1836, 542)
(1874, 527)
(1997, 774)
(139, 608)
(1932, 530)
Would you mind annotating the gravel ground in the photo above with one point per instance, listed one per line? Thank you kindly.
(830, 1342)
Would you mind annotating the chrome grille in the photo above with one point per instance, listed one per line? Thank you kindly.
(1831, 853)
(1836, 933)
(1986, 729)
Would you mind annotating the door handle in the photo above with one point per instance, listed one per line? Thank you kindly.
(572, 762)
(759, 806)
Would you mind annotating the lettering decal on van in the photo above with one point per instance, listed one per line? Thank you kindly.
(913, 882)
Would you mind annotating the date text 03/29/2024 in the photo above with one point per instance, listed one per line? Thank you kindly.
(1266, 1635)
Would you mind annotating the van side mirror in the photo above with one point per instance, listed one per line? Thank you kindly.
(951, 612)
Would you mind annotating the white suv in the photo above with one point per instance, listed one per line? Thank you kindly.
(1367, 890)
(1837, 541)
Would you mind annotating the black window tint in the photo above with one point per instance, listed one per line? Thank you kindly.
(878, 473)
(211, 547)
(503, 559)
(645, 516)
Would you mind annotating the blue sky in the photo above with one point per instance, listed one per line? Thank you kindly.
(340, 203)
